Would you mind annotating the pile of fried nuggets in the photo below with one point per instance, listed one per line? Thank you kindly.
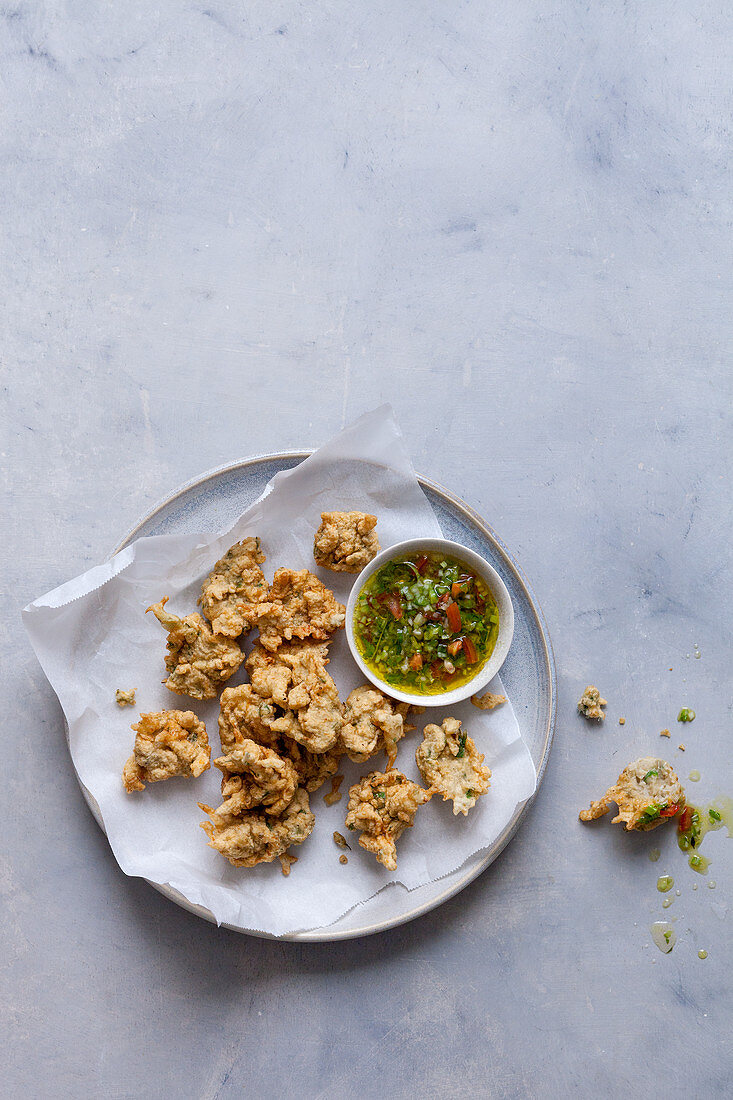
(284, 733)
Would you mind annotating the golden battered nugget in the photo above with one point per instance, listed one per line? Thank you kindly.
(452, 766)
(295, 681)
(232, 589)
(382, 806)
(256, 776)
(298, 605)
(198, 661)
(373, 722)
(345, 542)
(167, 744)
(251, 837)
(313, 768)
(647, 794)
(244, 715)
(125, 698)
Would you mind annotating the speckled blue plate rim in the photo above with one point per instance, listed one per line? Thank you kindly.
(456, 881)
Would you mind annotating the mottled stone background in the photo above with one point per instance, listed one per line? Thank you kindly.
(230, 229)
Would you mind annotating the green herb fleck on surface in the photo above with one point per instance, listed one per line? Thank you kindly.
(686, 715)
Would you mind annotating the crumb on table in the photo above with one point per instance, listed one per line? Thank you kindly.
(665, 733)
(125, 698)
(622, 721)
(590, 703)
(343, 859)
(682, 747)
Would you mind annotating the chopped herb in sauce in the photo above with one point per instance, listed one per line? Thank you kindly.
(426, 624)
(686, 715)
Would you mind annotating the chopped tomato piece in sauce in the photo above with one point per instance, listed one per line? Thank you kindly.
(453, 615)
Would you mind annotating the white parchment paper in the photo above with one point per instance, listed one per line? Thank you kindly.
(91, 637)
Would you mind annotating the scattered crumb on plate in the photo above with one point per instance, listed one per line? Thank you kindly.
(334, 795)
(488, 701)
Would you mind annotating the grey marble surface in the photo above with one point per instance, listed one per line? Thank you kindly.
(229, 229)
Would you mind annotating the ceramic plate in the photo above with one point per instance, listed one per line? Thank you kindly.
(213, 501)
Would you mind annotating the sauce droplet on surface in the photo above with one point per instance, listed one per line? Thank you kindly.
(654, 855)
(694, 777)
(667, 902)
(700, 864)
(664, 883)
(663, 935)
(702, 954)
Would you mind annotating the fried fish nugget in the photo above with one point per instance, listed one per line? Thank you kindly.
(647, 794)
(272, 673)
(254, 775)
(298, 605)
(451, 765)
(382, 805)
(198, 661)
(244, 715)
(294, 680)
(313, 768)
(345, 542)
(234, 587)
(373, 722)
(251, 837)
(169, 743)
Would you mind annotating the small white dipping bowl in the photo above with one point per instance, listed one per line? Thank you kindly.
(486, 572)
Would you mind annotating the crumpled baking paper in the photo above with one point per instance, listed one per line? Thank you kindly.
(91, 636)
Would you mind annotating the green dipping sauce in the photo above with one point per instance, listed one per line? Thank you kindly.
(426, 623)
